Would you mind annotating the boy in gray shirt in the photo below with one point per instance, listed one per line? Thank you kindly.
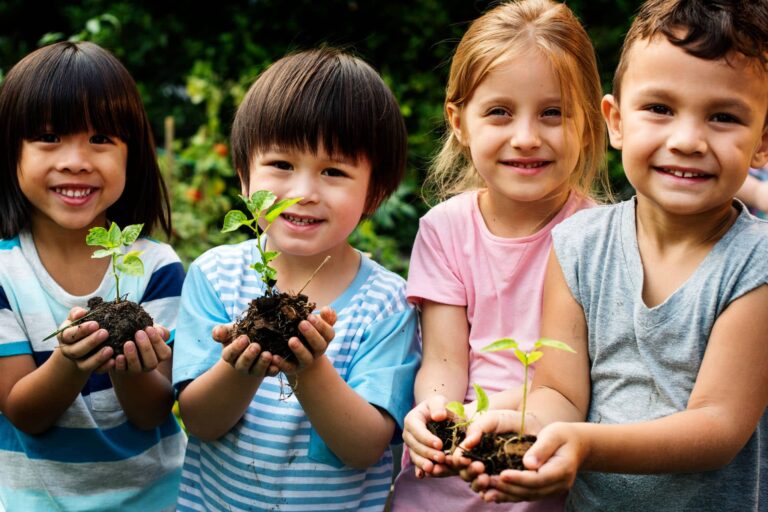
(663, 297)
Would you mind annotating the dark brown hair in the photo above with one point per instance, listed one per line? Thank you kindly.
(707, 29)
(324, 96)
(71, 88)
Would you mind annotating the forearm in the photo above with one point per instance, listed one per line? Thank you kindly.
(439, 377)
(357, 432)
(545, 406)
(214, 402)
(146, 398)
(38, 399)
(692, 440)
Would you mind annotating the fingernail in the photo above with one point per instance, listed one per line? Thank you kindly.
(312, 319)
(304, 327)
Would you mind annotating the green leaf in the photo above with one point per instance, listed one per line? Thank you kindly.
(270, 255)
(270, 273)
(103, 253)
(482, 398)
(260, 201)
(535, 356)
(522, 356)
(131, 233)
(114, 235)
(456, 408)
(131, 265)
(546, 342)
(258, 267)
(233, 220)
(502, 344)
(275, 210)
(97, 236)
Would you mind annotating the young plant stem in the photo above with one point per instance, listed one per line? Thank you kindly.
(117, 279)
(314, 274)
(525, 399)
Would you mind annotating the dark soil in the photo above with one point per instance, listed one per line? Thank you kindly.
(501, 451)
(448, 433)
(120, 319)
(272, 320)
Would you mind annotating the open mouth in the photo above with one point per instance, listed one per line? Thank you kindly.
(526, 165)
(299, 220)
(74, 193)
(682, 174)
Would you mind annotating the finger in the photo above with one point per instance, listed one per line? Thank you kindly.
(96, 361)
(248, 358)
(131, 356)
(161, 349)
(107, 366)
(120, 362)
(328, 315)
(262, 364)
(72, 334)
(419, 447)
(285, 366)
(480, 483)
(84, 346)
(273, 370)
(231, 352)
(146, 351)
(162, 331)
(221, 333)
(323, 328)
(76, 312)
(303, 355)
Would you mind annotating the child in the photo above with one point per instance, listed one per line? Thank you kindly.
(81, 429)
(664, 297)
(525, 144)
(319, 125)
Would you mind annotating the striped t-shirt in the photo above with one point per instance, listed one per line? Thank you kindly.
(273, 459)
(93, 458)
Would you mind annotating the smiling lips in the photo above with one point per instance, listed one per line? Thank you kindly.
(74, 195)
(300, 220)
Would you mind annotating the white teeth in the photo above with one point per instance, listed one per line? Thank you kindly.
(300, 222)
(80, 192)
(529, 166)
(682, 174)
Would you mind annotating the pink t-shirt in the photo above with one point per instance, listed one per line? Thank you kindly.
(456, 260)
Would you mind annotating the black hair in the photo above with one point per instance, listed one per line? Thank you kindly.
(70, 88)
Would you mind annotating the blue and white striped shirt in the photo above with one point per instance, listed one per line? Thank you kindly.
(92, 458)
(273, 459)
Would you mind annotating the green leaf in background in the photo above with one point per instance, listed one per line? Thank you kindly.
(456, 408)
(233, 220)
(103, 253)
(502, 344)
(131, 233)
(131, 264)
(482, 398)
(114, 235)
(260, 201)
(97, 236)
(546, 342)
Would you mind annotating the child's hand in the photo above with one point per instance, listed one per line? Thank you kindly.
(318, 331)
(145, 352)
(551, 466)
(77, 342)
(424, 447)
(244, 356)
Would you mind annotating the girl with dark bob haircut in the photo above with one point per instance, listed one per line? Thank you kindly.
(76, 153)
(66, 88)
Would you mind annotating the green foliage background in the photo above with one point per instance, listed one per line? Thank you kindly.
(194, 61)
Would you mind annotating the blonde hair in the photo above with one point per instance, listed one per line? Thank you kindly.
(518, 26)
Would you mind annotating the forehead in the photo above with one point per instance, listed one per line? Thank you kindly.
(658, 65)
(520, 76)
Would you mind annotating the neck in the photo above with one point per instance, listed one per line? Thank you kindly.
(663, 229)
(514, 219)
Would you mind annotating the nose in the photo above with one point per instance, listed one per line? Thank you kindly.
(305, 185)
(687, 137)
(74, 156)
(525, 135)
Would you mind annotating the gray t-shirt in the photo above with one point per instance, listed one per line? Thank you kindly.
(644, 362)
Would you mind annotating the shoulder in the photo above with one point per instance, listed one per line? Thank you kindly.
(382, 293)
(591, 222)
(226, 258)
(748, 239)
(456, 208)
(157, 252)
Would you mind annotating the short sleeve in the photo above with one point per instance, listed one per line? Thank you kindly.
(200, 310)
(567, 252)
(13, 339)
(432, 275)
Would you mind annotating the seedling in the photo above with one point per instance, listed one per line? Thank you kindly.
(457, 408)
(112, 242)
(262, 205)
(527, 358)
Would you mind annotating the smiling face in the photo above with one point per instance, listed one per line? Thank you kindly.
(71, 180)
(334, 191)
(521, 142)
(688, 128)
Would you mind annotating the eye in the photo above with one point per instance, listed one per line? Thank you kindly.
(552, 112)
(282, 165)
(47, 138)
(334, 172)
(661, 110)
(497, 111)
(100, 139)
(723, 117)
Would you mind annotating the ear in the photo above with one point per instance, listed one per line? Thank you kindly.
(612, 116)
(453, 113)
(760, 156)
